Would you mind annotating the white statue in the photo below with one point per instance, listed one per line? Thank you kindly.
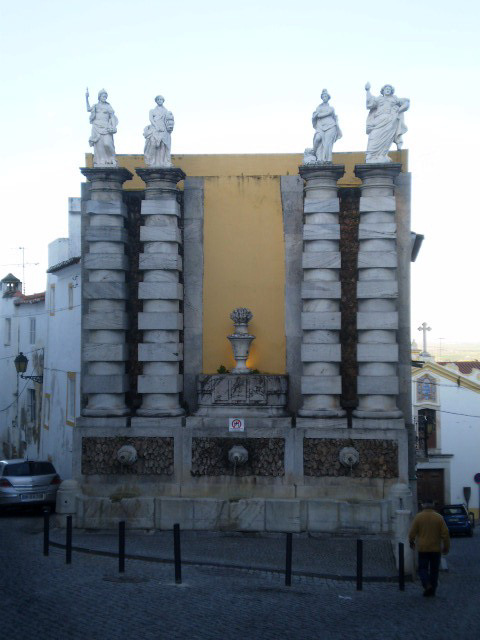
(325, 123)
(157, 136)
(385, 123)
(104, 125)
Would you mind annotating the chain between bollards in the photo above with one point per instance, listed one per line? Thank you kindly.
(288, 561)
(121, 546)
(46, 531)
(401, 566)
(177, 554)
(359, 565)
(68, 546)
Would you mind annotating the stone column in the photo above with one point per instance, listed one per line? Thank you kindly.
(161, 320)
(321, 292)
(104, 294)
(193, 259)
(377, 293)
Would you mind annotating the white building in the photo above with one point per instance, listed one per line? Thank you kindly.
(46, 328)
(446, 401)
(61, 383)
(23, 321)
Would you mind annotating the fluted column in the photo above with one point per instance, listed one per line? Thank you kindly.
(321, 292)
(104, 294)
(377, 293)
(161, 320)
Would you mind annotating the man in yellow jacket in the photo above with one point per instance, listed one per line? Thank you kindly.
(431, 533)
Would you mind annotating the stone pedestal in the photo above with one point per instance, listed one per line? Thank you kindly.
(104, 294)
(321, 292)
(250, 394)
(377, 293)
(161, 320)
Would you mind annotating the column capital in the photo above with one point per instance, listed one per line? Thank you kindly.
(390, 170)
(378, 179)
(153, 176)
(107, 174)
(329, 171)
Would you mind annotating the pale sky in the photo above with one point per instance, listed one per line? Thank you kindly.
(244, 77)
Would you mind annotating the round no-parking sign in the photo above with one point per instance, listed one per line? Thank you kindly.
(236, 424)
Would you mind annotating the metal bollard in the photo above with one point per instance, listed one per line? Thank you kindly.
(46, 531)
(177, 554)
(68, 546)
(359, 565)
(121, 546)
(288, 561)
(401, 566)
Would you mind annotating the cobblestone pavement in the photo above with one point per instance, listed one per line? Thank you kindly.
(45, 599)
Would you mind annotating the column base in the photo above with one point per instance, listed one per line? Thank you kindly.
(160, 413)
(105, 413)
(378, 424)
(322, 413)
(379, 415)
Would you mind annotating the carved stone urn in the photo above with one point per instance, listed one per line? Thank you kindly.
(241, 339)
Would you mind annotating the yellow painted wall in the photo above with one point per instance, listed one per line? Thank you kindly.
(259, 164)
(244, 261)
(244, 266)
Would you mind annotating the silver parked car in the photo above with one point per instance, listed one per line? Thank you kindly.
(28, 482)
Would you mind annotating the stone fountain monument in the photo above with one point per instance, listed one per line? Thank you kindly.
(161, 438)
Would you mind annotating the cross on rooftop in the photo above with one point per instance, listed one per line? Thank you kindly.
(424, 328)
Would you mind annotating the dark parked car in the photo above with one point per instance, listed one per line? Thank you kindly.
(457, 519)
(28, 482)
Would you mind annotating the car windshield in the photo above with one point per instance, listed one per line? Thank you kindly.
(454, 511)
(28, 468)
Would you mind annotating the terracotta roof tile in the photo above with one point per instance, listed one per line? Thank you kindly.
(63, 264)
(466, 366)
(30, 299)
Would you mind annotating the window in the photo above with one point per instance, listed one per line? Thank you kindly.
(17, 469)
(8, 331)
(426, 389)
(52, 299)
(41, 468)
(71, 392)
(427, 427)
(46, 411)
(33, 330)
(28, 468)
(32, 404)
(453, 511)
(70, 295)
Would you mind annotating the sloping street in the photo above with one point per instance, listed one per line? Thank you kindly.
(44, 598)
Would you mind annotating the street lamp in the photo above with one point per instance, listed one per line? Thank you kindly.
(21, 363)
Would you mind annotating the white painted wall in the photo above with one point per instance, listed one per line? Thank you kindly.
(461, 436)
(20, 432)
(74, 226)
(49, 434)
(62, 352)
(458, 433)
(62, 360)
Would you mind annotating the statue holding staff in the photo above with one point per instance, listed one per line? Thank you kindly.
(385, 123)
(157, 136)
(104, 125)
